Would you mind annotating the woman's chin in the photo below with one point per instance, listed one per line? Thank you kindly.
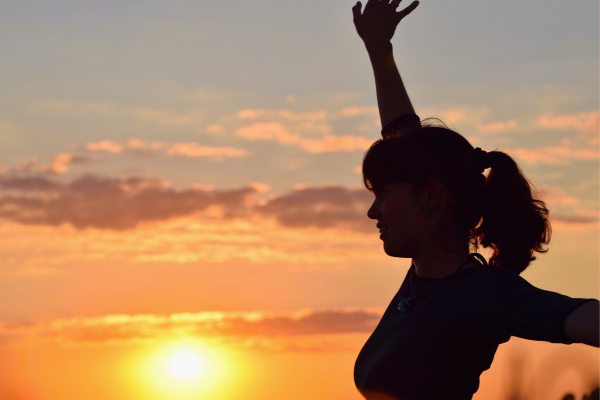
(391, 250)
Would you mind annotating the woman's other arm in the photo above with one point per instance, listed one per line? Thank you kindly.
(376, 27)
(582, 324)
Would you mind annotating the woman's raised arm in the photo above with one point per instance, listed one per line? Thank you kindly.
(376, 27)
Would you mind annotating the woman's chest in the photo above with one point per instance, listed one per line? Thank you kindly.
(415, 340)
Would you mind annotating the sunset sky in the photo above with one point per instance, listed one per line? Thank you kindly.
(182, 177)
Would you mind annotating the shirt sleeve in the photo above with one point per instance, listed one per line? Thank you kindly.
(516, 307)
(401, 125)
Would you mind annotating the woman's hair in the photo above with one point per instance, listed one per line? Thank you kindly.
(498, 211)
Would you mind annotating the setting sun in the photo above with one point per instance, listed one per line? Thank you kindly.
(188, 368)
(185, 365)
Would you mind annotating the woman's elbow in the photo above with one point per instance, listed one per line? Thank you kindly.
(583, 323)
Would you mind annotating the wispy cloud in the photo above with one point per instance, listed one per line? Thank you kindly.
(105, 145)
(267, 131)
(556, 155)
(585, 122)
(191, 149)
(26, 166)
(557, 195)
(285, 114)
(83, 203)
(241, 328)
(331, 143)
(497, 127)
(109, 203)
(354, 111)
(322, 207)
(456, 115)
(60, 163)
(86, 218)
(326, 143)
(577, 218)
(194, 239)
(196, 150)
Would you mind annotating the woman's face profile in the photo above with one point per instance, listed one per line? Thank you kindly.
(400, 218)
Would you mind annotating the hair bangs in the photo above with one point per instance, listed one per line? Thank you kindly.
(393, 160)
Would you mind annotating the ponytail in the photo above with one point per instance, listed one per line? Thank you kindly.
(514, 223)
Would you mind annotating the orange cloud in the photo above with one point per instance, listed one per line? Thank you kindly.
(558, 155)
(353, 111)
(557, 195)
(140, 147)
(26, 166)
(105, 145)
(135, 143)
(331, 143)
(286, 114)
(248, 113)
(57, 225)
(267, 131)
(497, 127)
(199, 240)
(311, 116)
(456, 115)
(60, 163)
(586, 123)
(196, 150)
(326, 143)
(243, 328)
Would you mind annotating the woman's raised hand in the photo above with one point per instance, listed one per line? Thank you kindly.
(377, 24)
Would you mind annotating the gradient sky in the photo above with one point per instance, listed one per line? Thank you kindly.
(183, 175)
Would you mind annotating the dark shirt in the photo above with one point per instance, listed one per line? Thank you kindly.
(440, 346)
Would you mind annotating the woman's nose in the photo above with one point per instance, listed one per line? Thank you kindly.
(374, 212)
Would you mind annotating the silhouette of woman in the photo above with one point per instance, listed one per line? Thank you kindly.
(433, 204)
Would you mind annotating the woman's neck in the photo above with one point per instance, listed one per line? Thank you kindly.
(441, 268)
(437, 260)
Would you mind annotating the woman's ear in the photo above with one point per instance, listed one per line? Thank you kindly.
(434, 193)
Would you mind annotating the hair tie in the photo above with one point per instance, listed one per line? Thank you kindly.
(482, 159)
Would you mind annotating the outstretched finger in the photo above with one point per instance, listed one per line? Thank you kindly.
(356, 10)
(371, 4)
(407, 10)
(394, 4)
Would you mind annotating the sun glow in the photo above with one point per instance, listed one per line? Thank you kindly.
(186, 365)
(190, 369)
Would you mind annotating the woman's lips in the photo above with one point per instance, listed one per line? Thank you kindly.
(382, 231)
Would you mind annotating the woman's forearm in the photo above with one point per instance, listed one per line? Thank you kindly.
(582, 325)
(392, 98)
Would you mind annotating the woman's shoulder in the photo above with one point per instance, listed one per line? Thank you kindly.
(498, 277)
